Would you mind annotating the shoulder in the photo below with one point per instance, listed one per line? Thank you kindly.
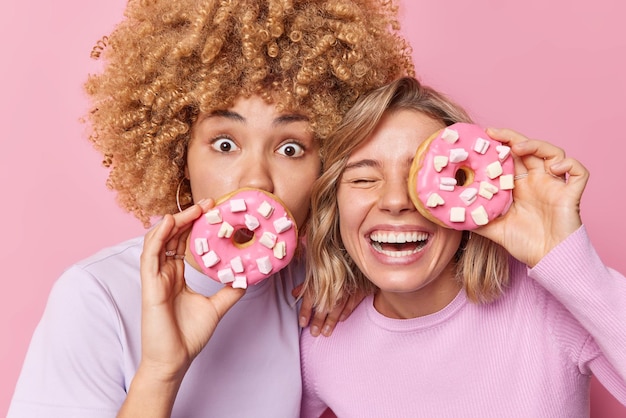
(345, 332)
(101, 279)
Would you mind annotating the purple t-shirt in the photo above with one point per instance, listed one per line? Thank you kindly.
(86, 349)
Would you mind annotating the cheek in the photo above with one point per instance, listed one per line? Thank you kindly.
(349, 219)
(296, 186)
(451, 241)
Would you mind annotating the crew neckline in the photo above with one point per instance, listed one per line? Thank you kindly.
(419, 323)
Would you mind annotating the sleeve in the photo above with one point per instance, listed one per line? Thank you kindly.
(311, 406)
(595, 295)
(73, 366)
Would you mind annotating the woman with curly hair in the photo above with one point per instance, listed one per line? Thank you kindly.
(510, 321)
(197, 99)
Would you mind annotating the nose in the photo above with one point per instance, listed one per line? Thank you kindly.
(256, 173)
(395, 198)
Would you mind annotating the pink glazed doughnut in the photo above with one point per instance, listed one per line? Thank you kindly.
(461, 178)
(248, 236)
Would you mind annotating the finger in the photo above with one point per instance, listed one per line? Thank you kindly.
(510, 137)
(317, 322)
(353, 301)
(331, 320)
(295, 292)
(539, 149)
(535, 154)
(306, 310)
(225, 298)
(575, 171)
(153, 245)
(183, 221)
(507, 136)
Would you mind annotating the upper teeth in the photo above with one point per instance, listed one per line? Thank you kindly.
(398, 237)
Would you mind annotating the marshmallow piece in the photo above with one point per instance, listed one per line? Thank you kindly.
(479, 215)
(457, 214)
(282, 224)
(468, 196)
(264, 264)
(450, 135)
(494, 170)
(251, 222)
(226, 275)
(226, 230)
(201, 245)
(458, 155)
(440, 161)
(280, 250)
(213, 216)
(506, 182)
(210, 259)
(240, 282)
(265, 209)
(236, 264)
(503, 152)
(481, 145)
(447, 184)
(268, 240)
(487, 190)
(434, 200)
(237, 205)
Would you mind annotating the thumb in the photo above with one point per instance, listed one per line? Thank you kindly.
(225, 299)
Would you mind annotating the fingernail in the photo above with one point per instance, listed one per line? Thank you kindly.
(303, 321)
(327, 331)
(315, 331)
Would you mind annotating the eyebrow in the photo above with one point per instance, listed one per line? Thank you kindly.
(361, 163)
(368, 163)
(280, 120)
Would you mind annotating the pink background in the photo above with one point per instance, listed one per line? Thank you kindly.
(551, 69)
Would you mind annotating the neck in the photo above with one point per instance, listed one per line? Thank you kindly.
(422, 302)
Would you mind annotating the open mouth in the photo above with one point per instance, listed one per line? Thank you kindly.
(398, 244)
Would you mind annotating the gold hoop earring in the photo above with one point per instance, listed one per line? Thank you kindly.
(180, 183)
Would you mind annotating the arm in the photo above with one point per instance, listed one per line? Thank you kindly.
(543, 229)
(176, 322)
(596, 296)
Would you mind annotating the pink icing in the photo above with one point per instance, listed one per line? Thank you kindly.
(428, 179)
(278, 224)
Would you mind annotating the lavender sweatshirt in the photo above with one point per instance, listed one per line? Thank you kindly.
(529, 354)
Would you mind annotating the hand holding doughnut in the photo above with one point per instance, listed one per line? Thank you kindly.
(546, 202)
(176, 322)
(248, 236)
(461, 178)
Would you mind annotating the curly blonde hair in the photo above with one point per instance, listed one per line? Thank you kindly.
(167, 61)
(482, 265)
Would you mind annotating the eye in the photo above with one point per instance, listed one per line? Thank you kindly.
(291, 149)
(224, 145)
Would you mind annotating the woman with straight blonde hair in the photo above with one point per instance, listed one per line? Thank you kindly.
(510, 320)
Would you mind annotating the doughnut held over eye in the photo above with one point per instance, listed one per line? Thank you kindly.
(461, 178)
(248, 236)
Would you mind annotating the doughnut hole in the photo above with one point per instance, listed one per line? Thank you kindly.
(464, 176)
(242, 237)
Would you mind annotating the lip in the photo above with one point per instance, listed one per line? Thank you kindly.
(397, 234)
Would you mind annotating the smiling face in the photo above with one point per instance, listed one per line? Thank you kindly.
(408, 257)
(251, 145)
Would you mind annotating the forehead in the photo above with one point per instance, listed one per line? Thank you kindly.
(398, 133)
